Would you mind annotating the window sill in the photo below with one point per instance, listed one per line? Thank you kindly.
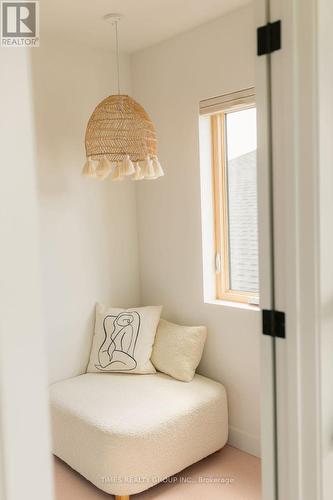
(230, 303)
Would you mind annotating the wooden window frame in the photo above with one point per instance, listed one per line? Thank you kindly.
(221, 219)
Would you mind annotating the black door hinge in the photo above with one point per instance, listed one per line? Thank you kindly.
(273, 323)
(269, 38)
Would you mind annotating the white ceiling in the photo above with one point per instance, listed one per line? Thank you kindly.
(145, 22)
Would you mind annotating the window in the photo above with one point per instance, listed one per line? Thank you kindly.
(234, 181)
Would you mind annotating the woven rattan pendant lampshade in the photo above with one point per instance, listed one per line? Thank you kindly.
(121, 140)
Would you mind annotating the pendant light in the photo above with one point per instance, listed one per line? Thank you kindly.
(120, 137)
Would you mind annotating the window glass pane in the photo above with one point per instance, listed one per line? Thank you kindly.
(241, 144)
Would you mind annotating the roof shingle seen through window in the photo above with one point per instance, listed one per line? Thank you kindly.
(243, 223)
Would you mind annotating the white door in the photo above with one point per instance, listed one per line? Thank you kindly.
(286, 82)
(266, 261)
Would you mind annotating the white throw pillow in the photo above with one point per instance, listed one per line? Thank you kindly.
(123, 339)
(178, 349)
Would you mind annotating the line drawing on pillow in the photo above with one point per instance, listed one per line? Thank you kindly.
(117, 350)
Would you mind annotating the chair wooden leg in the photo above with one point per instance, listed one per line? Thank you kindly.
(122, 497)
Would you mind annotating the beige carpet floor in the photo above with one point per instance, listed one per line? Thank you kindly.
(229, 474)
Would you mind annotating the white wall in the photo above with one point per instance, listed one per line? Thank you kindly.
(89, 230)
(325, 40)
(169, 80)
(23, 398)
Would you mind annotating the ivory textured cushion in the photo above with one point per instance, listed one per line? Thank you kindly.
(125, 433)
(178, 349)
(123, 339)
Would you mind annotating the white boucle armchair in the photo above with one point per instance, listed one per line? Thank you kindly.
(125, 433)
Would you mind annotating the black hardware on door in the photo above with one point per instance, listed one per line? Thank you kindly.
(269, 38)
(273, 323)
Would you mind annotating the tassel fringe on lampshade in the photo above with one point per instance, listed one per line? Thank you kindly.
(103, 168)
(121, 141)
(89, 168)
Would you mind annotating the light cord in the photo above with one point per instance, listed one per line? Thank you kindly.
(117, 51)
